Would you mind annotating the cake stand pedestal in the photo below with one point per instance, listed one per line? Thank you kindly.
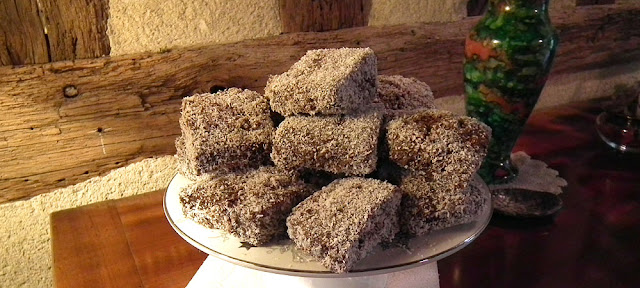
(216, 272)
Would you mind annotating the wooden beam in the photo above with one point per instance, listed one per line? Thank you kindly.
(76, 28)
(42, 31)
(22, 38)
(65, 122)
(593, 2)
(323, 15)
(597, 36)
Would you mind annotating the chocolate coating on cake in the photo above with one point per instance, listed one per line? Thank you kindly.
(336, 144)
(252, 206)
(439, 143)
(325, 81)
(228, 131)
(430, 204)
(340, 224)
(402, 96)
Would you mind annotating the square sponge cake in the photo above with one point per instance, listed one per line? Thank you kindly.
(438, 143)
(228, 131)
(403, 96)
(251, 206)
(431, 204)
(325, 81)
(340, 224)
(337, 144)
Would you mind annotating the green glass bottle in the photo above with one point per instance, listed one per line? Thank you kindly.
(508, 56)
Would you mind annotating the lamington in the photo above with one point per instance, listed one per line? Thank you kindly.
(340, 224)
(338, 144)
(438, 143)
(430, 204)
(401, 95)
(325, 81)
(225, 132)
(252, 206)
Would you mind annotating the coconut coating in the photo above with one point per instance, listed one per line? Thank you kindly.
(340, 224)
(252, 206)
(431, 204)
(336, 144)
(228, 131)
(439, 143)
(325, 81)
(402, 96)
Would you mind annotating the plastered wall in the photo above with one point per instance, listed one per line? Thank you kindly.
(158, 25)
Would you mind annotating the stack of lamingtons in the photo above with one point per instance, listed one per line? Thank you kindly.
(334, 155)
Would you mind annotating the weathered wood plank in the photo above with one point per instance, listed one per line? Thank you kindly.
(91, 248)
(323, 15)
(49, 140)
(593, 2)
(76, 28)
(22, 38)
(613, 37)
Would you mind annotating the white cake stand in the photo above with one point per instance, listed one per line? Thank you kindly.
(281, 260)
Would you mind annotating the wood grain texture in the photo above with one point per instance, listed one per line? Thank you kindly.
(323, 15)
(22, 38)
(121, 243)
(127, 108)
(90, 248)
(613, 37)
(164, 260)
(76, 28)
(42, 31)
(593, 2)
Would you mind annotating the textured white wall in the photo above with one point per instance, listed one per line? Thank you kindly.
(157, 25)
(25, 252)
(393, 12)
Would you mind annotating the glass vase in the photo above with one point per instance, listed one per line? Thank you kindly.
(508, 56)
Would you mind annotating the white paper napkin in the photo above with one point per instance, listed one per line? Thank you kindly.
(217, 273)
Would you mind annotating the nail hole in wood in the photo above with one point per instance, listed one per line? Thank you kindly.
(70, 91)
(216, 89)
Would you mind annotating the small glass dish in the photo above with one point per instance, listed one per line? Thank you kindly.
(619, 130)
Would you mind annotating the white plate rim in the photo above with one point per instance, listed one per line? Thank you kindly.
(328, 274)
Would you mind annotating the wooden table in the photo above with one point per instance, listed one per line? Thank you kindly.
(594, 241)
